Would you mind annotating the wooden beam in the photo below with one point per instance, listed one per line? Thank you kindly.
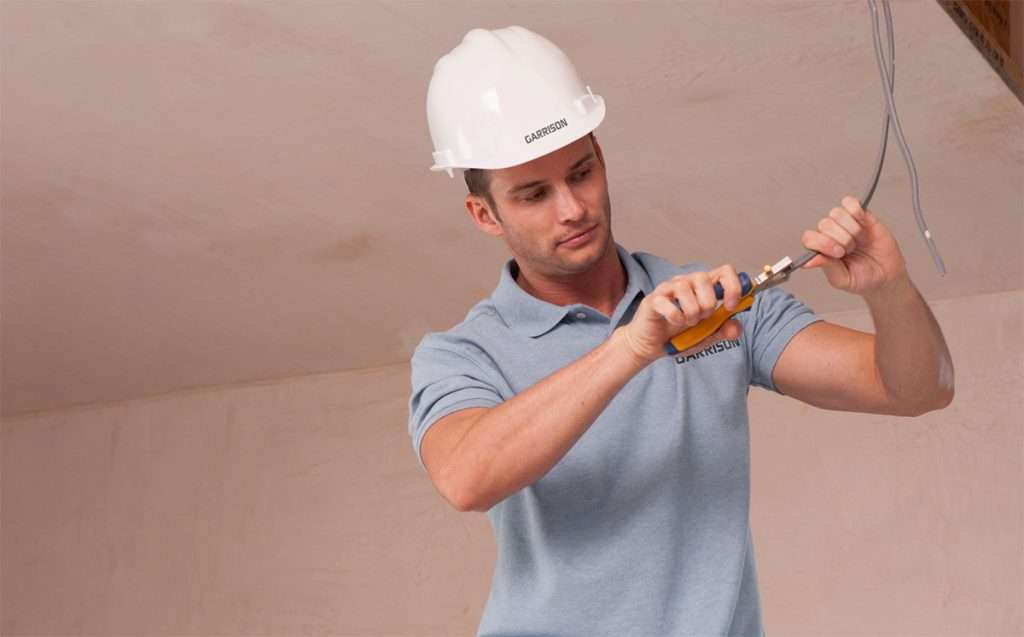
(1017, 33)
(994, 27)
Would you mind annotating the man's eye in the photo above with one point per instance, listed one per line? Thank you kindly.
(537, 196)
(580, 176)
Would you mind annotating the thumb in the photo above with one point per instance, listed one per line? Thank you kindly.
(837, 273)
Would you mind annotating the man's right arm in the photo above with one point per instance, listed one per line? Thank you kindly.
(477, 457)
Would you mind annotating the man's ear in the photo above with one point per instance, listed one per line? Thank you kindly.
(482, 215)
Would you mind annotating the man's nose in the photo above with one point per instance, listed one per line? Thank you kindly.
(570, 208)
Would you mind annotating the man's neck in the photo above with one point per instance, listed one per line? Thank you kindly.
(601, 287)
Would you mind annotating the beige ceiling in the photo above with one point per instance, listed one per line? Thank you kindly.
(209, 193)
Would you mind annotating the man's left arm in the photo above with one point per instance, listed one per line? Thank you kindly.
(905, 367)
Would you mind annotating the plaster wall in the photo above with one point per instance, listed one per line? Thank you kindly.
(297, 508)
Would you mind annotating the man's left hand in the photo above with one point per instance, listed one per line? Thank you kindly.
(858, 253)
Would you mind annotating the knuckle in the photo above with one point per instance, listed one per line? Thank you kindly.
(681, 289)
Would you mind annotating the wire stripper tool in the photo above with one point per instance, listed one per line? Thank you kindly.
(770, 276)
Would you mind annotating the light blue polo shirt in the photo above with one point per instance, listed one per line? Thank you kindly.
(643, 527)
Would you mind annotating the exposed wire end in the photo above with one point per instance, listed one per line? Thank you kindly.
(936, 257)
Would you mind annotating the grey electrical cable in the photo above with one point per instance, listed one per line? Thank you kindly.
(890, 102)
(866, 199)
(888, 82)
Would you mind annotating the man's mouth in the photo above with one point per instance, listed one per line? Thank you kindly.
(579, 237)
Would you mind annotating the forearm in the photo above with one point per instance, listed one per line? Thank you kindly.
(911, 357)
(516, 443)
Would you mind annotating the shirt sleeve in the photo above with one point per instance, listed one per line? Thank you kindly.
(445, 379)
(775, 318)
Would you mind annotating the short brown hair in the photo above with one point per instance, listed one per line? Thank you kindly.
(478, 181)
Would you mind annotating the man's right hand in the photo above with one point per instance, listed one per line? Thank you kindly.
(677, 305)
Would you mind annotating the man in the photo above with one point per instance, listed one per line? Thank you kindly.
(617, 478)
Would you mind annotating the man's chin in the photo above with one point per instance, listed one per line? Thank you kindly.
(580, 261)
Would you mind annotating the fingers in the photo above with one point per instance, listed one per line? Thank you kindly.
(671, 312)
(837, 234)
(862, 215)
(726, 275)
(820, 242)
(674, 303)
(685, 300)
(704, 290)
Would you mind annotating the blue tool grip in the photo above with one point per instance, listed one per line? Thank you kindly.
(745, 285)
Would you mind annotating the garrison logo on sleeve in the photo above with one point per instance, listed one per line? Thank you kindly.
(710, 350)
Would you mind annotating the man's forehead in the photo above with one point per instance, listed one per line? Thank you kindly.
(554, 163)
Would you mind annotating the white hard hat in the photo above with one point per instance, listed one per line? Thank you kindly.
(504, 97)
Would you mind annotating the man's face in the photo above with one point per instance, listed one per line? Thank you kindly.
(545, 204)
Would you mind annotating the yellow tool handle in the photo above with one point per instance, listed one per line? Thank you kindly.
(707, 327)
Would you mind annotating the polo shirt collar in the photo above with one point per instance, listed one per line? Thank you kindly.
(530, 316)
